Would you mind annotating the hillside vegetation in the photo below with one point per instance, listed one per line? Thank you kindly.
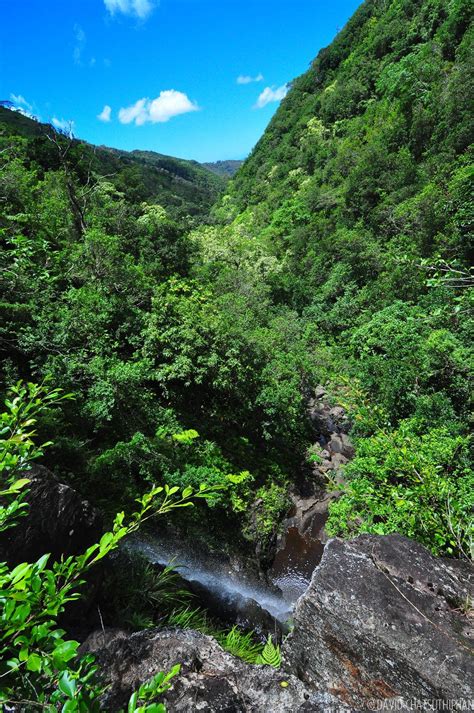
(186, 188)
(355, 211)
(226, 169)
(170, 348)
(100, 293)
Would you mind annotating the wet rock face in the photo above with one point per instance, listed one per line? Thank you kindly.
(58, 521)
(383, 618)
(211, 680)
(381, 621)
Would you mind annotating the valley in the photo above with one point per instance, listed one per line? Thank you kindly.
(265, 368)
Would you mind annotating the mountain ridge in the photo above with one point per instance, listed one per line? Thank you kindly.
(159, 174)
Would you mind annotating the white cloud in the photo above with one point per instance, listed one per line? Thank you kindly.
(80, 38)
(137, 8)
(247, 79)
(105, 114)
(137, 113)
(21, 101)
(168, 104)
(63, 125)
(271, 94)
(22, 106)
(27, 113)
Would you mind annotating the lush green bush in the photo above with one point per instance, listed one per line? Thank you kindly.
(414, 480)
(39, 665)
(400, 357)
(360, 193)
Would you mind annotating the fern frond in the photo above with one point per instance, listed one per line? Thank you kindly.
(271, 655)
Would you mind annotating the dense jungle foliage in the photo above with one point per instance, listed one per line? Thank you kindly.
(339, 253)
(356, 205)
(40, 666)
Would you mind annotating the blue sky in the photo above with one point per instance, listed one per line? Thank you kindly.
(198, 79)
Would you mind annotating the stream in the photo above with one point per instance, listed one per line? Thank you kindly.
(236, 591)
(230, 589)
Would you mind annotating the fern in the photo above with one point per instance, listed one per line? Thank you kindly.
(271, 655)
(239, 644)
(243, 645)
(139, 621)
(190, 619)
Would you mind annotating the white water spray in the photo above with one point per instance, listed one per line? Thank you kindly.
(225, 584)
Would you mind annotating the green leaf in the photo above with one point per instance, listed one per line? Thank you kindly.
(132, 703)
(67, 685)
(171, 491)
(105, 540)
(64, 653)
(270, 655)
(20, 572)
(19, 484)
(34, 663)
(41, 563)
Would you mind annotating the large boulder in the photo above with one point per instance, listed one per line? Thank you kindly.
(210, 680)
(381, 619)
(58, 521)
(383, 622)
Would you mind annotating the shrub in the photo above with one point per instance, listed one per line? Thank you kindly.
(38, 664)
(415, 482)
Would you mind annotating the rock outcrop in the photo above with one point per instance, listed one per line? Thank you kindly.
(383, 618)
(382, 622)
(59, 521)
(332, 428)
(210, 680)
(299, 546)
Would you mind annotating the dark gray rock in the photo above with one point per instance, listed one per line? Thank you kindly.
(335, 444)
(58, 521)
(210, 680)
(382, 623)
(101, 638)
(340, 444)
(383, 618)
(348, 448)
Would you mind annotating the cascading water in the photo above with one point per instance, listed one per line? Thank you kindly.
(230, 590)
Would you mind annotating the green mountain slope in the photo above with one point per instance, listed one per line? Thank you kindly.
(101, 292)
(357, 203)
(184, 187)
(227, 169)
(339, 253)
(398, 75)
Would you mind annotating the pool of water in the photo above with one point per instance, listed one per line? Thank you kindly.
(297, 557)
